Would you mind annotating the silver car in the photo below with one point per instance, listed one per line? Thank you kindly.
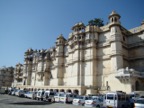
(94, 101)
(139, 103)
(80, 100)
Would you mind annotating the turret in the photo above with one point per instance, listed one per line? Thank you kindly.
(60, 45)
(115, 42)
(115, 31)
(78, 27)
(114, 18)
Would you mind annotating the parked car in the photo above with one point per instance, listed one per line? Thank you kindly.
(34, 95)
(2, 90)
(79, 100)
(49, 96)
(20, 93)
(139, 103)
(57, 96)
(39, 95)
(13, 92)
(67, 97)
(26, 93)
(10, 90)
(29, 94)
(94, 101)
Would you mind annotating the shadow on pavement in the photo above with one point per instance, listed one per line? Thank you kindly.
(31, 103)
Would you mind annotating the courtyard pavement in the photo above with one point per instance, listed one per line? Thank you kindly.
(8, 101)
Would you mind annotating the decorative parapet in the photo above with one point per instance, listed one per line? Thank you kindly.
(125, 73)
(92, 29)
(137, 29)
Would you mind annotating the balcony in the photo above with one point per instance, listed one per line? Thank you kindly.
(128, 73)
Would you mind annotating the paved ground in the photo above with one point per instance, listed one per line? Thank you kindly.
(7, 101)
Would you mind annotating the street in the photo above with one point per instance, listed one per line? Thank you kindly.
(8, 101)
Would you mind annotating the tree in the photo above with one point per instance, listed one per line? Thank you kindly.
(97, 22)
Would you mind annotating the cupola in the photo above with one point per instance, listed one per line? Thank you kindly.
(60, 40)
(114, 17)
(78, 27)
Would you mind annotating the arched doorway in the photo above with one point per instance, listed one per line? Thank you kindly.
(69, 91)
(76, 91)
(56, 90)
(51, 89)
(62, 90)
(137, 86)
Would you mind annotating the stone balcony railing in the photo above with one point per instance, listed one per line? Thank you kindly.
(127, 73)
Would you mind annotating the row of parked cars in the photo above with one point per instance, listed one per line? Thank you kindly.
(116, 99)
(51, 96)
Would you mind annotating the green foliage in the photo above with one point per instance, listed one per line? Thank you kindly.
(97, 22)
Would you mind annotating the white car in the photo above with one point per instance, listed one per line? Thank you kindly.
(79, 100)
(139, 103)
(94, 101)
(39, 95)
(67, 97)
(13, 92)
(57, 96)
(49, 96)
(20, 93)
(29, 94)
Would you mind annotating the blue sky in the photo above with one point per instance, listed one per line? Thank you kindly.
(36, 24)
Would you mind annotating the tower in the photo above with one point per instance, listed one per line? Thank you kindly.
(28, 67)
(115, 42)
(60, 43)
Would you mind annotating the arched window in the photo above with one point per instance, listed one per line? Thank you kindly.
(112, 19)
(115, 19)
(137, 86)
(24, 83)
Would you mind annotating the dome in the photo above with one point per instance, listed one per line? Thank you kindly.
(113, 13)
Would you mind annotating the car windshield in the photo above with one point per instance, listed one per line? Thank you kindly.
(56, 94)
(139, 101)
(79, 97)
(51, 93)
(62, 95)
(110, 96)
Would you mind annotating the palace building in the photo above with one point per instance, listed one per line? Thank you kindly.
(92, 60)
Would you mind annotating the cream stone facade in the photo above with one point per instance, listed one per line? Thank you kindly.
(6, 76)
(92, 60)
